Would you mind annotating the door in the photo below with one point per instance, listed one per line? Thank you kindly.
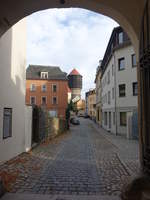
(109, 120)
(144, 95)
(135, 125)
(35, 125)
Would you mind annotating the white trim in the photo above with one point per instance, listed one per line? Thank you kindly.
(44, 75)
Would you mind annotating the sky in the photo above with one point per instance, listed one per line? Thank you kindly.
(69, 38)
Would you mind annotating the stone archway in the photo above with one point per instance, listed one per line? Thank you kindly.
(127, 13)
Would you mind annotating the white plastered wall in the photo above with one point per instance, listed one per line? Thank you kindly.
(12, 88)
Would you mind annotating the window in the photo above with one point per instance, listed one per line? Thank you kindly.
(32, 87)
(114, 118)
(44, 75)
(122, 90)
(133, 60)
(108, 77)
(112, 70)
(109, 97)
(7, 123)
(54, 100)
(43, 88)
(55, 88)
(32, 100)
(43, 100)
(113, 93)
(135, 88)
(121, 64)
(120, 38)
(123, 119)
(105, 118)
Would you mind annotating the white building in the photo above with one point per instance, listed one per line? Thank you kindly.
(119, 86)
(98, 94)
(12, 91)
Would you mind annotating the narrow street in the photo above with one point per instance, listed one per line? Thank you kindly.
(81, 162)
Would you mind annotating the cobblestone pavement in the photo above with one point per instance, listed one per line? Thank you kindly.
(82, 162)
(127, 150)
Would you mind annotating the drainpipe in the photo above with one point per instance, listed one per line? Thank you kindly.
(115, 90)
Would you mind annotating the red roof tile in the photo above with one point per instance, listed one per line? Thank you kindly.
(74, 72)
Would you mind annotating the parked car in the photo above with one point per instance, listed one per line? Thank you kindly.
(74, 121)
(80, 115)
(86, 116)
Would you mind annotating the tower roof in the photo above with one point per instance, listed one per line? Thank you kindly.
(74, 72)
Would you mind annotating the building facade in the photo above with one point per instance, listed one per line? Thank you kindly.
(12, 90)
(81, 105)
(91, 104)
(75, 84)
(98, 94)
(48, 87)
(119, 86)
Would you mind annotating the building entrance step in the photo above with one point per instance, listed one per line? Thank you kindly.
(10, 196)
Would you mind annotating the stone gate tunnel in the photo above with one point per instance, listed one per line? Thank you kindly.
(133, 16)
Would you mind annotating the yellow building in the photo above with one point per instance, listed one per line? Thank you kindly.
(81, 105)
(91, 103)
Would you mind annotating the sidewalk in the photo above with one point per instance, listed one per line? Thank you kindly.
(127, 150)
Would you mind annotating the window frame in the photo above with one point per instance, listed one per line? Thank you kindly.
(108, 77)
(132, 56)
(53, 88)
(42, 100)
(31, 98)
(53, 100)
(44, 90)
(124, 90)
(109, 97)
(44, 75)
(119, 64)
(120, 39)
(31, 88)
(133, 88)
(112, 69)
(10, 128)
(121, 122)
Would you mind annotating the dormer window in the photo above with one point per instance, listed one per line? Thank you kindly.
(120, 38)
(44, 75)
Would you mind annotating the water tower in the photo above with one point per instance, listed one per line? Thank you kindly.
(75, 83)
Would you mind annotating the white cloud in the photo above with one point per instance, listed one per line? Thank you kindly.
(69, 38)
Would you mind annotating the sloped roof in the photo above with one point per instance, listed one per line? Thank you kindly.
(54, 73)
(74, 72)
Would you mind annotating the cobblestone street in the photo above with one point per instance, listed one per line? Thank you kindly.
(81, 162)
